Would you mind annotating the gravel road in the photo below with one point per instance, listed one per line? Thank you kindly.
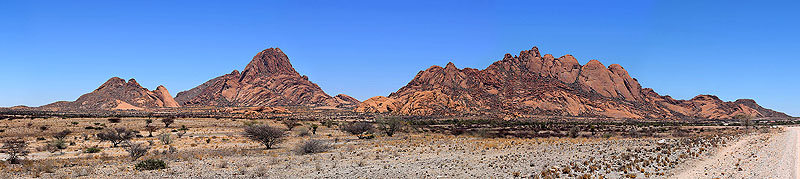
(761, 155)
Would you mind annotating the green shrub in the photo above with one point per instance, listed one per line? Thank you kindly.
(93, 150)
(151, 164)
(114, 120)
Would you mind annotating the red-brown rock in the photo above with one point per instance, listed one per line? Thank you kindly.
(268, 80)
(531, 84)
(116, 94)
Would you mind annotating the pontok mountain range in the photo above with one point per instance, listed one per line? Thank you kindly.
(522, 85)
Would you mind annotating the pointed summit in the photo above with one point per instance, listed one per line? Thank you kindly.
(268, 80)
(111, 83)
(450, 65)
(269, 62)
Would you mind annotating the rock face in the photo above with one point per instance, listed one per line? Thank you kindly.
(346, 101)
(268, 80)
(532, 84)
(116, 94)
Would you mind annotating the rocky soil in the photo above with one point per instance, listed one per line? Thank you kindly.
(214, 148)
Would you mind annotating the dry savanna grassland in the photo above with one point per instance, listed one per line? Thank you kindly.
(235, 148)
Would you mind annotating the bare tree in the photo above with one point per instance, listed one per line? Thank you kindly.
(746, 120)
(135, 151)
(265, 134)
(182, 130)
(116, 136)
(390, 125)
(312, 146)
(63, 134)
(150, 129)
(290, 123)
(357, 128)
(168, 121)
(15, 148)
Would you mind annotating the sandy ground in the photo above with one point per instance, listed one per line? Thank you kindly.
(764, 155)
(215, 148)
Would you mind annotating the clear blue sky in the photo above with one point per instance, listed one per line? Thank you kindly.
(58, 50)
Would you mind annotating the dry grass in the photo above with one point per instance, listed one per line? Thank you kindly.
(217, 144)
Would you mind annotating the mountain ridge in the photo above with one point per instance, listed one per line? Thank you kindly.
(535, 84)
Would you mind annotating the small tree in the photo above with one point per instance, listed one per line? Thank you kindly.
(63, 134)
(182, 130)
(264, 134)
(168, 121)
(147, 122)
(290, 123)
(56, 145)
(573, 132)
(390, 125)
(15, 148)
(135, 151)
(150, 129)
(314, 128)
(357, 128)
(746, 120)
(116, 136)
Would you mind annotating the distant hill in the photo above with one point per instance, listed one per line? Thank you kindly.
(116, 94)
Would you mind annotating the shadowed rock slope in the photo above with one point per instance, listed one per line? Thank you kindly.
(116, 94)
(268, 80)
(535, 84)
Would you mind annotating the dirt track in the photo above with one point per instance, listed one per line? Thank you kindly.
(763, 155)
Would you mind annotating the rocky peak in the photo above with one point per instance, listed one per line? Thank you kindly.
(111, 83)
(746, 101)
(612, 82)
(268, 80)
(534, 52)
(450, 66)
(268, 62)
(132, 82)
(162, 93)
(705, 97)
